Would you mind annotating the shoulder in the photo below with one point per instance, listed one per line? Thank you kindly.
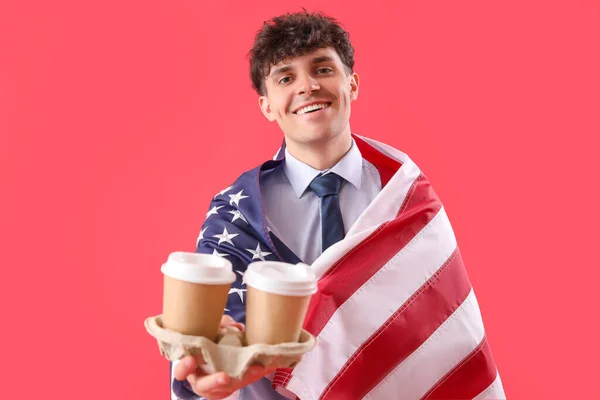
(248, 180)
(272, 177)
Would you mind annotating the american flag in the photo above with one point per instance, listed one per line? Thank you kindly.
(395, 314)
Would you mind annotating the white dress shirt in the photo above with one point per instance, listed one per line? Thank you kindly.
(293, 211)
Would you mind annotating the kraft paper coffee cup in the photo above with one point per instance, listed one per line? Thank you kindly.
(195, 293)
(277, 299)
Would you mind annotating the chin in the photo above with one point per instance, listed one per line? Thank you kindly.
(317, 136)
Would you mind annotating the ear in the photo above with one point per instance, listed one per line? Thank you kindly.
(354, 79)
(263, 102)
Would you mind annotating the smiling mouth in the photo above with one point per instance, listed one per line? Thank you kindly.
(312, 108)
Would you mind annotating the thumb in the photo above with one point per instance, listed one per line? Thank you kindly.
(184, 367)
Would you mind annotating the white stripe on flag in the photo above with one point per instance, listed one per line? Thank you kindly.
(387, 203)
(337, 251)
(445, 348)
(379, 297)
(386, 149)
(383, 208)
(494, 392)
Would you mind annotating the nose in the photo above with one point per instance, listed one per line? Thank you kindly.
(307, 84)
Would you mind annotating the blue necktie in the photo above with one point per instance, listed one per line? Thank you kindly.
(327, 187)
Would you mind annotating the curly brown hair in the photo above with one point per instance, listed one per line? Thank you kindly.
(292, 35)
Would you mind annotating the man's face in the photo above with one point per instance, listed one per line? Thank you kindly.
(310, 97)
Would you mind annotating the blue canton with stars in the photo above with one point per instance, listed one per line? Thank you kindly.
(235, 228)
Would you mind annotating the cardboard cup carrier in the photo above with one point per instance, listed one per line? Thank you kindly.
(195, 293)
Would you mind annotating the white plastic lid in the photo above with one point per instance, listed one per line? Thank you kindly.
(199, 268)
(281, 278)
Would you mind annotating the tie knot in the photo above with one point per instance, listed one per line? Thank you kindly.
(326, 185)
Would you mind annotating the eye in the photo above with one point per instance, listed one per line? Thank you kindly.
(324, 70)
(283, 80)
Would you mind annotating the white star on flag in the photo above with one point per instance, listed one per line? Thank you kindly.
(235, 198)
(226, 237)
(201, 236)
(222, 192)
(258, 253)
(216, 253)
(239, 292)
(237, 214)
(213, 210)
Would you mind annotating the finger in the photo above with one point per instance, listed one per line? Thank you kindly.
(194, 376)
(240, 326)
(237, 325)
(254, 373)
(184, 367)
(214, 382)
(218, 394)
(274, 365)
(227, 321)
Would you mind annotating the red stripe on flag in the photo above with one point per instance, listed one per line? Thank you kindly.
(355, 268)
(469, 378)
(385, 165)
(404, 332)
(282, 377)
(347, 275)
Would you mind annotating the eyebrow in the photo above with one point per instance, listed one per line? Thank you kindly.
(288, 68)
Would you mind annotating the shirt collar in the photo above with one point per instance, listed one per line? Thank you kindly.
(301, 175)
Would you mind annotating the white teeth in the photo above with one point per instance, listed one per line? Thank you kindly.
(311, 108)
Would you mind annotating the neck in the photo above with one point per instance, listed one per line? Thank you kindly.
(321, 155)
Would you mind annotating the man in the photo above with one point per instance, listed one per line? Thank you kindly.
(393, 299)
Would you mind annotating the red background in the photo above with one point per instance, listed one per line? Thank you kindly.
(119, 121)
